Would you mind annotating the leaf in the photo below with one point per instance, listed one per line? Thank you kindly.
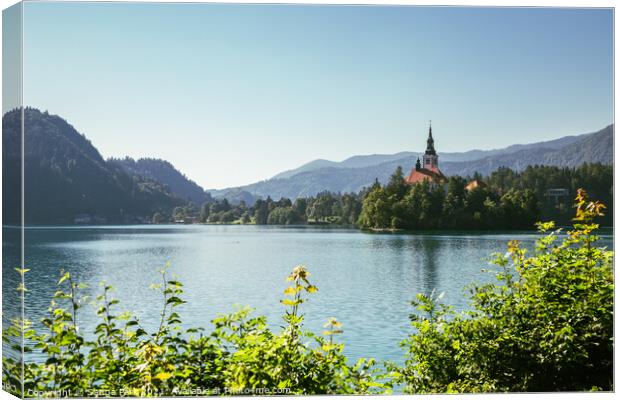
(290, 291)
(51, 360)
(312, 289)
(162, 376)
(64, 278)
(174, 301)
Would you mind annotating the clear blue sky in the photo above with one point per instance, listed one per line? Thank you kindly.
(232, 94)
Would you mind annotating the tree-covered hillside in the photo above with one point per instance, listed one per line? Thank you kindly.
(67, 180)
(163, 172)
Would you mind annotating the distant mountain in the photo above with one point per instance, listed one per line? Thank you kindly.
(591, 148)
(355, 173)
(67, 179)
(165, 173)
(378, 159)
(236, 196)
(351, 162)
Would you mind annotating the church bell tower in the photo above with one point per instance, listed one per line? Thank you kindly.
(430, 160)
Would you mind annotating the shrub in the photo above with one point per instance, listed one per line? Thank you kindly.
(240, 356)
(546, 326)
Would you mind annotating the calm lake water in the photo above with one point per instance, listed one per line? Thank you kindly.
(365, 280)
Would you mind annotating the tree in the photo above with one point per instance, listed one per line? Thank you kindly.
(321, 207)
(205, 210)
(283, 216)
(261, 212)
(396, 186)
(178, 213)
(158, 218)
(300, 205)
(351, 208)
(375, 210)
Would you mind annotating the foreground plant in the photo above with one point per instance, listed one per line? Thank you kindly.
(240, 356)
(546, 326)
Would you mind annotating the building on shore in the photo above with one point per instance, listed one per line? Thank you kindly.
(474, 184)
(557, 196)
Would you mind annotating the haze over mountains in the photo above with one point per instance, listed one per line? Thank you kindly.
(67, 178)
(357, 172)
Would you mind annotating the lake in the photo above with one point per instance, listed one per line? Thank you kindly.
(366, 280)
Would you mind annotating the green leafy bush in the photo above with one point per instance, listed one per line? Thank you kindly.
(240, 356)
(546, 326)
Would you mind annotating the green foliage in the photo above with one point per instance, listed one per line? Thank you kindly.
(284, 216)
(510, 200)
(422, 206)
(324, 208)
(596, 179)
(547, 325)
(241, 355)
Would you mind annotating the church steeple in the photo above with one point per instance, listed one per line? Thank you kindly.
(430, 158)
(430, 143)
(428, 169)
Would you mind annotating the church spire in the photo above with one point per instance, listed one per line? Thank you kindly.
(430, 143)
(430, 160)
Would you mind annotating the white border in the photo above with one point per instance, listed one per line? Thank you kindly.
(477, 3)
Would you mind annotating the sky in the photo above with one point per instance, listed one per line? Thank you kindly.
(234, 94)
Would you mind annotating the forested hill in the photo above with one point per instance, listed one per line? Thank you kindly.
(593, 148)
(357, 172)
(66, 179)
(164, 172)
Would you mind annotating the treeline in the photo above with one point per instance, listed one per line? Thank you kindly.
(596, 179)
(324, 208)
(398, 205)
(505, 200)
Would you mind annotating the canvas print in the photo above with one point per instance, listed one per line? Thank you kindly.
(297, 199)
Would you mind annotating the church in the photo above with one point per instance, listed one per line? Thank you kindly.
(428, 170)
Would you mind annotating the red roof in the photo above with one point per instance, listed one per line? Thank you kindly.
(422, 174)
(476, 183)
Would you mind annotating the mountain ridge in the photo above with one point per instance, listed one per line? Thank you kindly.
(360, 161)
(308, 179)
(66, 178)
(165, 173)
